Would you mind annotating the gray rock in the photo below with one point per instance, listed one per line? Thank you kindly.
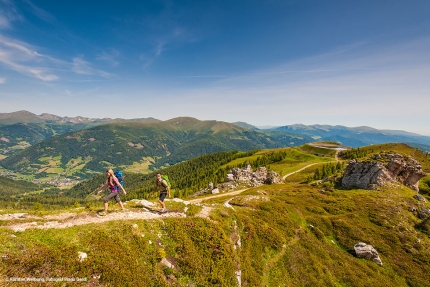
(419, 197)
(256, 178)
(424, 214)
(371, 175)
(167, 263)
(82, 256)
(230, 177)
(363, 250)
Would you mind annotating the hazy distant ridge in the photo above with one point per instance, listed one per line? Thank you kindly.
(355, 136)
(26, 117)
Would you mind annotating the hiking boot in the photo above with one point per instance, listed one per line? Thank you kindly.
(163, 209)
(103, 213)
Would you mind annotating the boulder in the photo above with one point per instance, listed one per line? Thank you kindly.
(363, 250)
(371, 174)
(167, 263)
(405, 169)
(424, 214)
(419, 197)
(82, 256)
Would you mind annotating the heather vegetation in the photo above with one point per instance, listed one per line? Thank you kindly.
(291, 234)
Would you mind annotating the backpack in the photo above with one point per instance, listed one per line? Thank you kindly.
(118, 175)
(166, 178)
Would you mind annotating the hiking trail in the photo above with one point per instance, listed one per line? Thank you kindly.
(70, 219)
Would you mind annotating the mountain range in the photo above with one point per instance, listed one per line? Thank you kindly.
(85, 152)
(46, 145)
(355, 136)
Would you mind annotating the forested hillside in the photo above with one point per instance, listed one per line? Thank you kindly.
(10, 187)
(186, 177)
(153, 145)
(21, 129)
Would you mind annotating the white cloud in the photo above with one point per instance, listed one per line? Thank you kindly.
(42, 14)
(383, 87)
(4, 22)
(2, 80)
(109, 56)
(80, 66)
(8, 14)
(22, 58)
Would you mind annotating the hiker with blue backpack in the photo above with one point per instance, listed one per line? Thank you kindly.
(114, 185)
(163, 186)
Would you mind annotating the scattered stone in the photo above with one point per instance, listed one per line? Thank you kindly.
(424, 214)
(419, 197)
(82, 256)
(167, 263)
(238, 274)
(14, 215)
(363, 250)
(147, 204)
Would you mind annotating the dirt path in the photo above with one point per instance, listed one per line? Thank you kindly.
(69, 219)
(291, 173)
(336, 158)
(198, 200)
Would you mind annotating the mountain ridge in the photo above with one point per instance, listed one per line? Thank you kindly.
(355, 136)
(29, 117)
(88, 151)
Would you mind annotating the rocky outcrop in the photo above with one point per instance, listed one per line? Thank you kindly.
(254, 178)
(384, 168)
(363, 250)
(243, 176)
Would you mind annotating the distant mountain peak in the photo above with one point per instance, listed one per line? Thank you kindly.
(245, 125)
(19, 117)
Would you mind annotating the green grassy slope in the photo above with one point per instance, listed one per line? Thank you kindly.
(291, 234)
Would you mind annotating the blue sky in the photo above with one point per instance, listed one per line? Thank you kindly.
(269, 62)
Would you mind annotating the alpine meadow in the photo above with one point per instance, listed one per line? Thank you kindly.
(247, 209)
(189, 143)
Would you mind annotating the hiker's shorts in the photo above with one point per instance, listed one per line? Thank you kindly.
(162, 196)
(112, 195)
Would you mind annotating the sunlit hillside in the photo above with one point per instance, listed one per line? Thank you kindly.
(299, 233)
